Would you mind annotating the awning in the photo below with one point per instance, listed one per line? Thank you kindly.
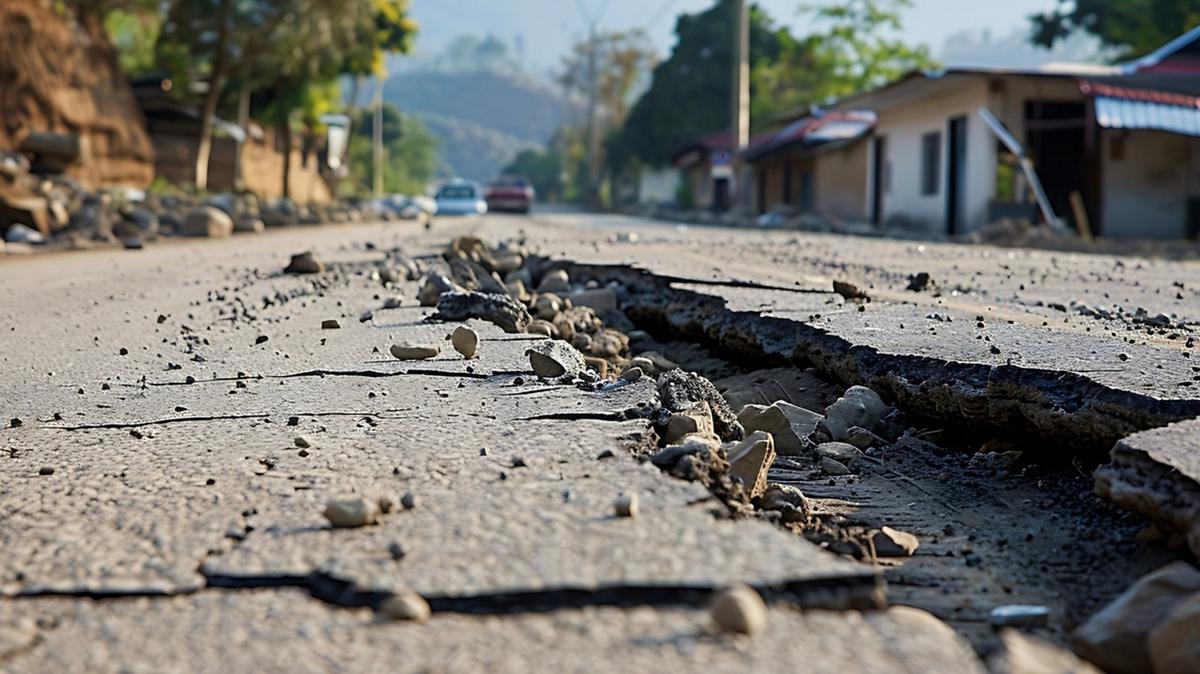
(1121, 113)
(1154, 101)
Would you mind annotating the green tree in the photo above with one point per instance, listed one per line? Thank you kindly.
(859, 46)
(602, 72)
(411, 153)
(1131, 27)
(856, 45)
(543, 169)
(689, 93)
(289, 49)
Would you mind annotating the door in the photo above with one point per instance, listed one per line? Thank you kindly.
(878, 178)
(956, 170)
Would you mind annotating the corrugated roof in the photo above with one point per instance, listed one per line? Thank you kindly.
(1124, 113)
(814, 131)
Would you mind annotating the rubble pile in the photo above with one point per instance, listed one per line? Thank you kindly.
(593, 344)
(40, 205)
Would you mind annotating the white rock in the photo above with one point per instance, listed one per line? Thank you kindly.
(751, 459)
(415, 351)
(859, 406)
(352, 512)
(891, 542)
(739, 609)
(626, 505)
(408, 606)
(555, 281)
(465, 341)
(554, 359)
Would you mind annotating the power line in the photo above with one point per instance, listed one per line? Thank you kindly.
(658, 14)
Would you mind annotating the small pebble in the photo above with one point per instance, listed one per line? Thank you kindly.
(739, 609)
(302, 442)
(1017, 615)
(352, 512)
(408, 606)
(626, 505)
(414, 351)
(46, 470)
(465, 341)
(330, 324)
(397, 551)
(408, 500)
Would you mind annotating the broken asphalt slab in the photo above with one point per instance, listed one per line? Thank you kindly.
(168, 472)
(1157, 473)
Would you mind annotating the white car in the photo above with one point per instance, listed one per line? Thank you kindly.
(460, 198)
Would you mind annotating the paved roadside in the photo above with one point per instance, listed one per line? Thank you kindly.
(159, 513)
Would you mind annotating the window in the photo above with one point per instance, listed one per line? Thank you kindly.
(931, 153)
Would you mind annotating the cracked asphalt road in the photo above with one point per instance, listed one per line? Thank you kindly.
(157, 515)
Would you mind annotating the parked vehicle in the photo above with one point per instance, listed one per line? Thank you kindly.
(460, 198)
(510, 193)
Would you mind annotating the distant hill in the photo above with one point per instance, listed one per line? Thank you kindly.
(470, 150)
(482, 119)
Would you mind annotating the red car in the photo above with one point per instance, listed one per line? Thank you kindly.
(510, 194)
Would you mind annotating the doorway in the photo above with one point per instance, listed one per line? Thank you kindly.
(1056, 140)
(956, 169)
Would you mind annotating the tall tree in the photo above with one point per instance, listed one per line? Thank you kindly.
(1130, 27)
(859, 45)
(603, 70)
(689, 93)
(856, 44)
(288, 48)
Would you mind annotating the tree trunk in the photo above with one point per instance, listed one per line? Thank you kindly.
(212, 98)
(243, 120)
(285, 134)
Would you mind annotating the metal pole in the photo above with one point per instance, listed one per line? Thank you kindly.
(740, 90)
(377, 137)
(739, 103)
(592, 122)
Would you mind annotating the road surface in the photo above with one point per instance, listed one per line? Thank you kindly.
(160, 514)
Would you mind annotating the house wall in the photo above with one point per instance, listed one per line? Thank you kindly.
(699, 178)
(1147, 185)
(904, 127)
(840, 182)
(658, 186)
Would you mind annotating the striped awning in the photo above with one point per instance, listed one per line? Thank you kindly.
(1123, 113)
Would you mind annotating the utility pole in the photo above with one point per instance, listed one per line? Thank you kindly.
(592, 132)
(739, 114)
(739, 100)
(377, 137)
(593, 138)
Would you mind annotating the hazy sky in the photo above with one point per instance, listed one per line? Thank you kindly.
(548, 27)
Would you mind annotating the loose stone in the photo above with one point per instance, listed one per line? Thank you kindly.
(891, 542)
(415, 351)
(739, 609)
(465, 341)
(304, 263)
(352, 512)
(626, 505)
(407, 606)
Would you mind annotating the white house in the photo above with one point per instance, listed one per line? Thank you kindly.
(1113, 148)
